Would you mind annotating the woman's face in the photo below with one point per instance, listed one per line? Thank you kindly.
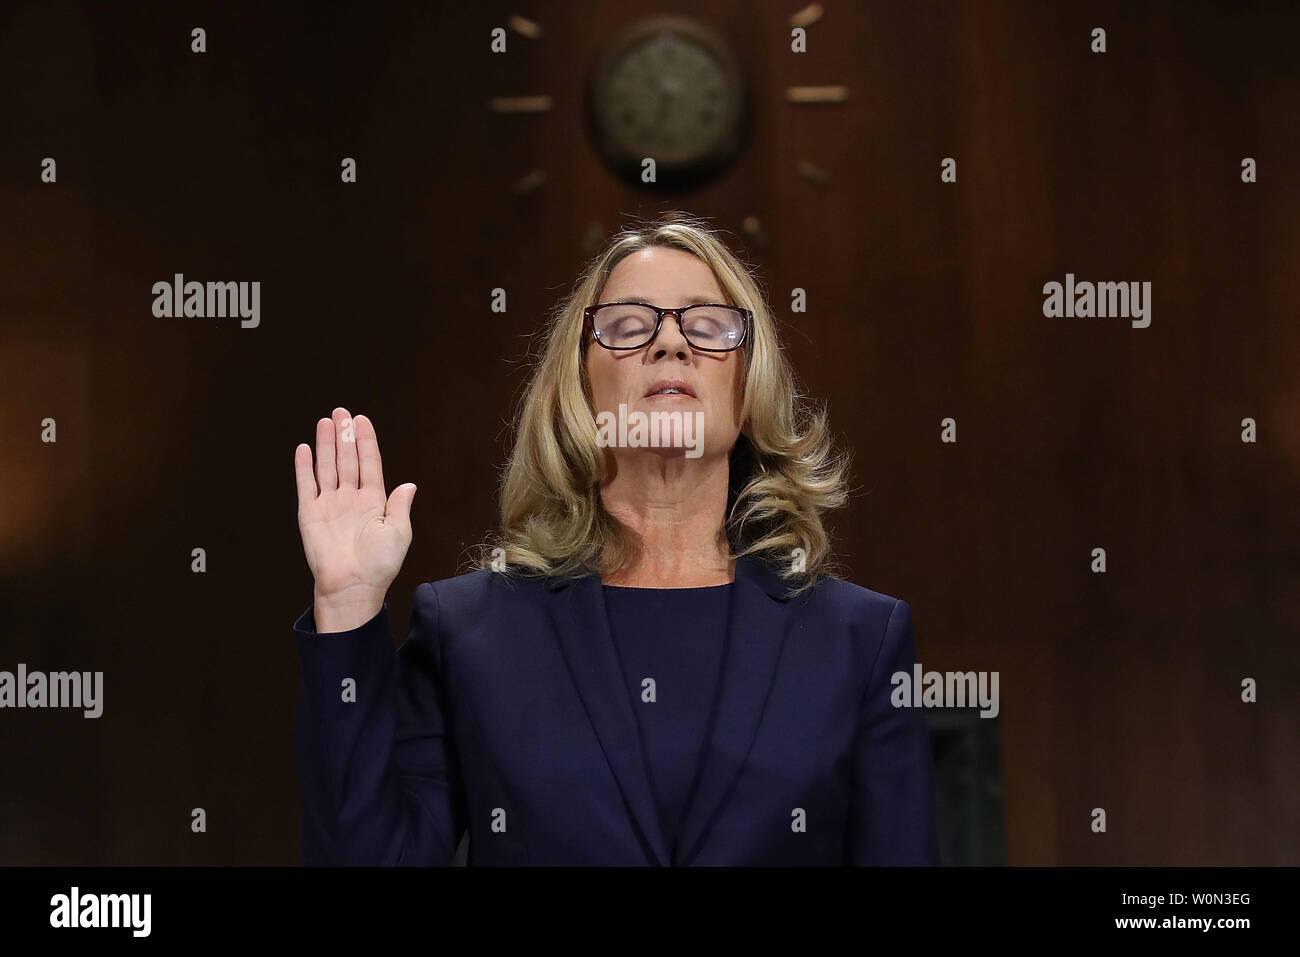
(668, 278)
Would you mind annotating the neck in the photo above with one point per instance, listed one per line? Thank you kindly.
(678, 507)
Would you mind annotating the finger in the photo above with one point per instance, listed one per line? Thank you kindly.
(372, 466)
(326, 475)
(398, 509)
(345, 448)
(306, 482)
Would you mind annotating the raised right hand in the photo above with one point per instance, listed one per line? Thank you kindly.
(354, 538)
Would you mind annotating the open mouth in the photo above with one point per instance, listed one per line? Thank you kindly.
(670, 388)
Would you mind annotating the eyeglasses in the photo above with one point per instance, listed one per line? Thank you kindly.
(707, 326)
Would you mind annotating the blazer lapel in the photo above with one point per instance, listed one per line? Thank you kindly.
(578, 614)
(759, 618)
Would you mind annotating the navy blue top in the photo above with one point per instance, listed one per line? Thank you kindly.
(498, 699)
(676, 637)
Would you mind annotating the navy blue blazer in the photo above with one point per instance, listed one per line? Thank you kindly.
(505, 712)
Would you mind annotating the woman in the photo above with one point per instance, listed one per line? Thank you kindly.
(653, 663)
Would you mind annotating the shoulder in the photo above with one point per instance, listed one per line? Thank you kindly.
(879, 627)
(477, 594)
(853, 605)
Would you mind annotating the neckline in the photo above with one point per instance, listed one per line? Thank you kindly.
(651, 588)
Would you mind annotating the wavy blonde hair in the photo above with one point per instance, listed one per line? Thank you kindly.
(784, 471)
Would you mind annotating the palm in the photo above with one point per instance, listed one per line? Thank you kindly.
(347, 541)
(353, 536)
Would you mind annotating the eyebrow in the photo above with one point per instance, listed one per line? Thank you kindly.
(690, 300)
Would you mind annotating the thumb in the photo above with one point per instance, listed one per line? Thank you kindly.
(398, 509)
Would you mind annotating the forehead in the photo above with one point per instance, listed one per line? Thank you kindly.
(664, 277)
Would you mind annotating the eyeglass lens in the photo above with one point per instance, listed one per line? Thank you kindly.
(625, 326)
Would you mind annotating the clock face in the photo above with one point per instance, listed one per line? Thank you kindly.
(667, 90)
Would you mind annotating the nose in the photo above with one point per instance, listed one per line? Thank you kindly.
(670, 339)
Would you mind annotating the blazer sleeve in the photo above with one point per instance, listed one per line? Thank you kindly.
(893, 815)
(379, 775)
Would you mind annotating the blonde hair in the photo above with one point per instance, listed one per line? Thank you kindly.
(784, 472)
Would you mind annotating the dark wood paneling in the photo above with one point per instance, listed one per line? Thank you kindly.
(1119, 691)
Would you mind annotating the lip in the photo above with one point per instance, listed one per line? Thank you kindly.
(678, 384)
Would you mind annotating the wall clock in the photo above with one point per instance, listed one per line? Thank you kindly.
(671, 89)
